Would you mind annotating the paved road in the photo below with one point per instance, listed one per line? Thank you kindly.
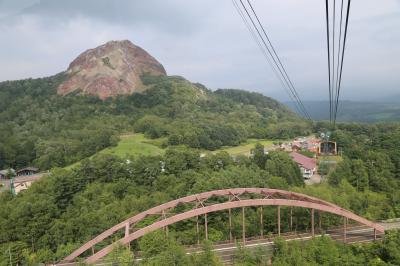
(314, 179)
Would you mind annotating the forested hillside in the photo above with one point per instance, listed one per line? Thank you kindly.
(40, 128)
(72, 205)
(69, 207)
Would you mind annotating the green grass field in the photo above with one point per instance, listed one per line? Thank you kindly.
(132, 144)
(245, 148)
(135, 144)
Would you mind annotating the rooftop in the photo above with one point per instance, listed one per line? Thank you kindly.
(306, 162)
(34, 169)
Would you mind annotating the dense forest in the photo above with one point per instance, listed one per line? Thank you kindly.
(72, 205)
(69, 207)
(40, 128)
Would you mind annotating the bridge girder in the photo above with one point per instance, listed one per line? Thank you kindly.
(269, 197)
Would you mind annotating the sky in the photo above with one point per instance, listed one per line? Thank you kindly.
(206, 41)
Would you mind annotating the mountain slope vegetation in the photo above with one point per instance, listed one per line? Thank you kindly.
(39, 127)
(69, 207)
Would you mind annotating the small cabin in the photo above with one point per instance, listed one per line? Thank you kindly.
(3, 174)
(296, 147)
(6, 172)
(307, 165)
(27, 171)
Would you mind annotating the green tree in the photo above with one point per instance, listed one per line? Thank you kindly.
(259, 157)
(280, 164)
(121, 256)
(206, 257)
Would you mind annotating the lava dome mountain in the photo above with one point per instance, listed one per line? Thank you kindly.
(109, 70)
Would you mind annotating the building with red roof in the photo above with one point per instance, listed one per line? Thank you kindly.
(307, 165)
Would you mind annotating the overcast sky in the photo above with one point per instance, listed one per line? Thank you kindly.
(205, 41)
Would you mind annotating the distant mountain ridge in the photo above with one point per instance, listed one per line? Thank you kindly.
(353, 111)
(109, 70)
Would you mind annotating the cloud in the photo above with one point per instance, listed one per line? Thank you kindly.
(175, 17)
(206, 41)
(31, 52)
(11, 7)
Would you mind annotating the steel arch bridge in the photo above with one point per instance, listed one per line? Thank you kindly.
(201, 204)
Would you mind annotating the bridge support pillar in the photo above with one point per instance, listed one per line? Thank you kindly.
(205, 225)
(243, 227)
(127, 232)
(197, 230)
(312, 223)
(291, 219)
(165, 228)
(261, 223)
(279, 220)
(230, 225)
(344, 229)
(319, 221)
(126, 229)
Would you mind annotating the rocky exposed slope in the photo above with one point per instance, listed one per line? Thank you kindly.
(109, 70)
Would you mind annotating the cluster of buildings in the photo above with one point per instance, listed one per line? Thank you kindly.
(310, 144)
(19, 180)
(308, 166)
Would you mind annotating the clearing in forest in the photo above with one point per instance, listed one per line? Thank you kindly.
(135, 144)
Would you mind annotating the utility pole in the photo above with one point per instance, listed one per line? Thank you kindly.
(9, 252)
(12, 188)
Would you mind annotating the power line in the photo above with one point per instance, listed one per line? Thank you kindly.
(338, 54)
(280, 63)
(254, 36)
(335, 81)
(341, 63)
(333, 50)
(267, 48)
(329, 59)
(284, 77)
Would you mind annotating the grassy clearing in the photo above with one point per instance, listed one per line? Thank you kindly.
(132, 145)
(135, 144)
(245, 148)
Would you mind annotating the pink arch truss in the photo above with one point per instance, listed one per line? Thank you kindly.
(201, 205)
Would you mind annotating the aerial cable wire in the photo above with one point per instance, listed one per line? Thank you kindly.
(254, 36)
(339, 50)
(333, 54)
(267, 48)
(270, 53)
(329, 59)
(341, 63)
(280, 70)
(276, 55)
